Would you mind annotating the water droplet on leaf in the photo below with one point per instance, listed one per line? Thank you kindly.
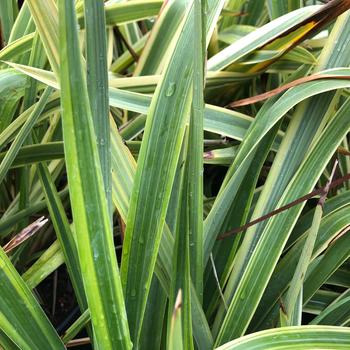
(171, 89)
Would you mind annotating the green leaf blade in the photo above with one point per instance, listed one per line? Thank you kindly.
(159, 154)
(91, 219)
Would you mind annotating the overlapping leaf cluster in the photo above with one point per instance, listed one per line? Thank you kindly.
(115, 124)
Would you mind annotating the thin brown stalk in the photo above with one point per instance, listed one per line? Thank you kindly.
(343, 151)
(271, 93)
(308, 196)
(77, 342)
(127, 45)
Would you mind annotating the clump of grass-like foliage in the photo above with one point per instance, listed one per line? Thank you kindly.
(174, 174)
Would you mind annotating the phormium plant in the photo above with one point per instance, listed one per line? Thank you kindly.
(174, 174)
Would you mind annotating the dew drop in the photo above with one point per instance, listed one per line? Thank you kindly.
(171, 89)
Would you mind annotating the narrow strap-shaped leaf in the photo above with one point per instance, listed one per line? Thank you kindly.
(17, 47)
(231, 6)
(175, 339)
(225, 251)
(45, 16)
(12, 87)
(211, 15)
(331, 226)
(332, 259)
(216, 119)
(258, 38)
(128, 11)
(23, 25)
(282, 36)
(164, 131)
(36, 153)
(154, 317)
(63, 233)
(194, 166)
(76, 327)
(337, 313)
(6, 342)
(294, 292)
(279, 8)
(180, 279)
(44, 266)
(6, 19)
(37, 58)
(97, 82)
(89, 207)
(23, 133)
(20, 313)
(162, 35)
(293, 338)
